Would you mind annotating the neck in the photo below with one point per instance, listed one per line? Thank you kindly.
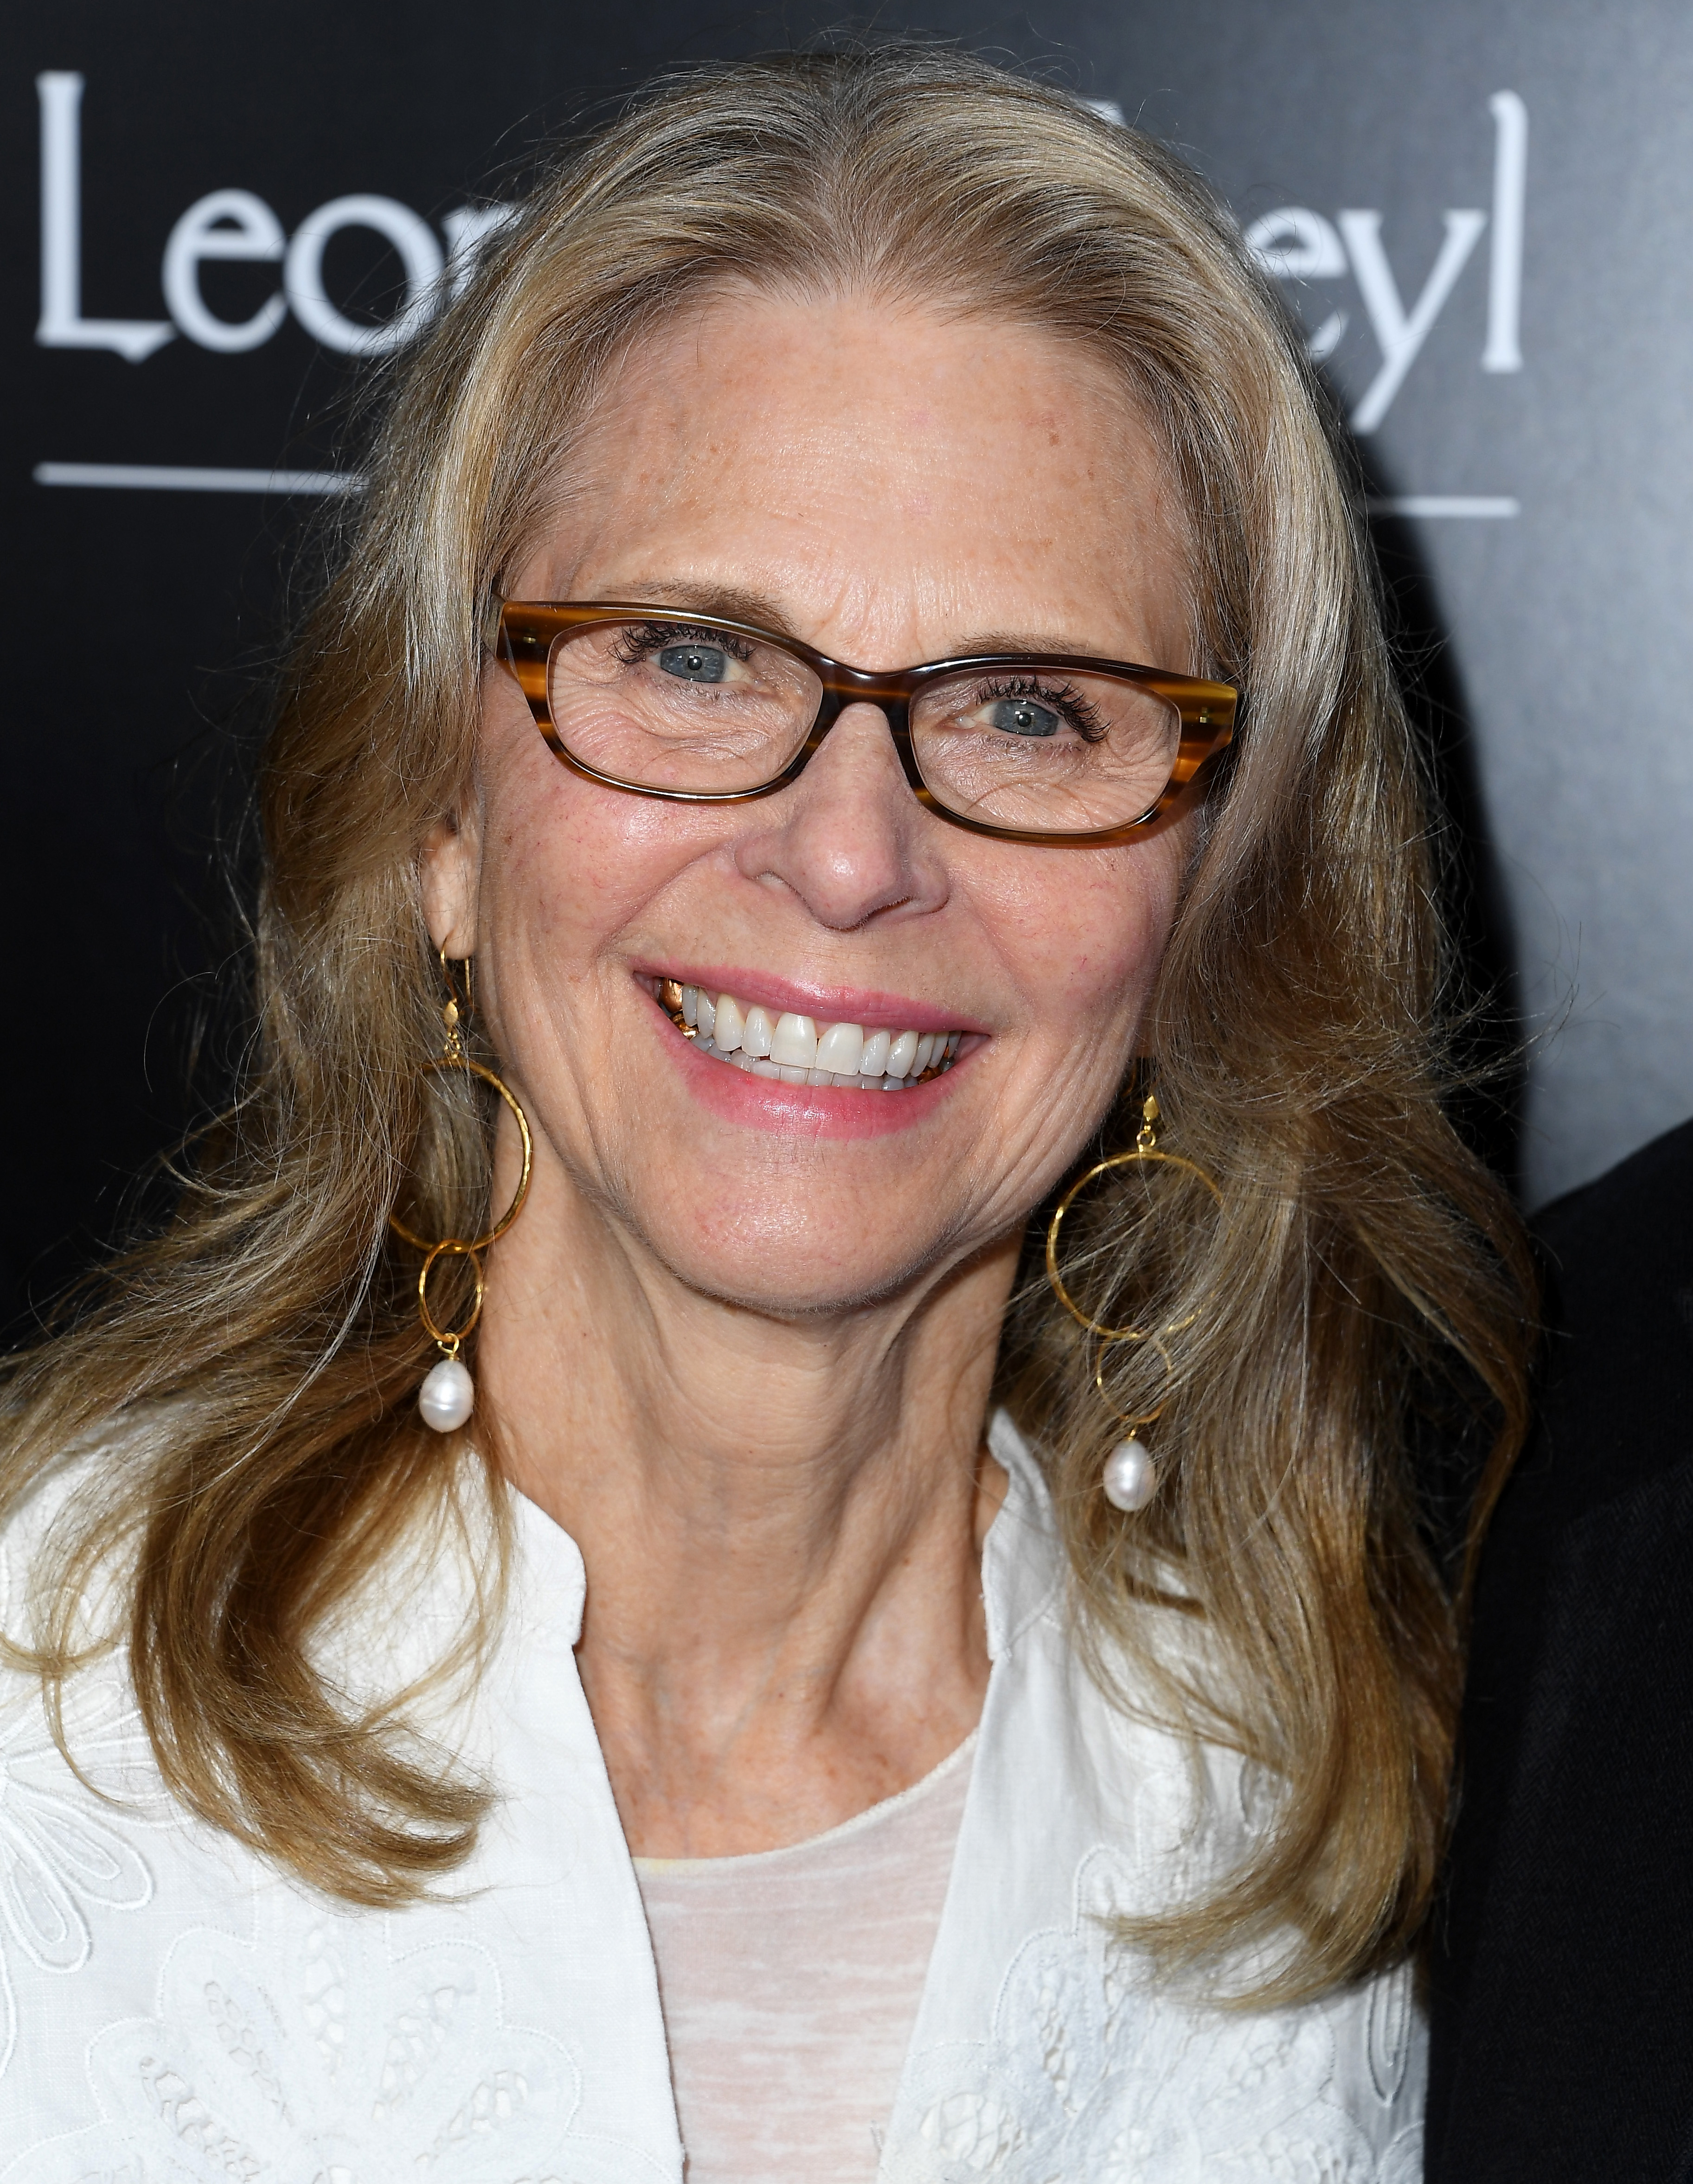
(778, 1518)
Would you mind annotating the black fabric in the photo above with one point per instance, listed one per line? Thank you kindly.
(1561, 1972)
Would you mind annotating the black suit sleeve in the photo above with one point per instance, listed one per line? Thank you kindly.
(1561, 1970)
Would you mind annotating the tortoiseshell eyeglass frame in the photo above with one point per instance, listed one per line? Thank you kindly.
(528, 630)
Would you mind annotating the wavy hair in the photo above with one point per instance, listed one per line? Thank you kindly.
(267, 1342)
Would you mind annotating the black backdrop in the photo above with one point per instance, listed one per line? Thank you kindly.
(1479, 204)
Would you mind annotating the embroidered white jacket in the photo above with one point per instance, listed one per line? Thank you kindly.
(172, 2011)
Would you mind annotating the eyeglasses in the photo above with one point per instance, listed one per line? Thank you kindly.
(1027, 746)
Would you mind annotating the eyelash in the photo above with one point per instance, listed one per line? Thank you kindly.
(635, 644)
(1081, 714)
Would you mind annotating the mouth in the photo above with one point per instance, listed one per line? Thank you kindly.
(787, 1048)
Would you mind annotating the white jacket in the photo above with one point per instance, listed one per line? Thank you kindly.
(173, 2011)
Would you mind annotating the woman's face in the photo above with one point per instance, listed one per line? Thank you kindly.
(891, 487)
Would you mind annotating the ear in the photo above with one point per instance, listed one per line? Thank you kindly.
(449, 870)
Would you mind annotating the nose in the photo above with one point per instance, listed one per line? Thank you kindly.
(848, 838)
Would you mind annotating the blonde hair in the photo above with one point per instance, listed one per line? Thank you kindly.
(1362, 1252)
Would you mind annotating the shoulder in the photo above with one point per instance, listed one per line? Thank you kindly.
(1619, 1259)
(70, 1498)
(84, 1819)
(1561, 2014)
(1607, 1476)
(1093, 1806)
(1614, 1418)
(1613, 1437)
(1093, 2066)
(1630, 1203)
(1097, 1736)
(100, 1764)
(1053, 2042)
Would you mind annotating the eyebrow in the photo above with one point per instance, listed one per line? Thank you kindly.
(723, 602)
(733, 602)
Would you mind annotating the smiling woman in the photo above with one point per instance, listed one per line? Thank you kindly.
(767, 1697)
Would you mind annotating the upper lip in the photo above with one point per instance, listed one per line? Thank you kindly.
(824, 1004)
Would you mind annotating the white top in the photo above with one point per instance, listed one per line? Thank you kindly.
(173, 2011)
(790, 1980)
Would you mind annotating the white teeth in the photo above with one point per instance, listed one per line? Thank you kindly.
(785, 1047)
(841, 1048)
(794, 1043)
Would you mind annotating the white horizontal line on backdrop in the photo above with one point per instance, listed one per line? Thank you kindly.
(1446, 503)
(170, 478)
(173, 478)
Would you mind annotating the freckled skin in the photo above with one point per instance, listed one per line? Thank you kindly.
(747, 1368)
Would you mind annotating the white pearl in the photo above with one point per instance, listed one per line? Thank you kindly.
(1130, 1477)
(448, 1396)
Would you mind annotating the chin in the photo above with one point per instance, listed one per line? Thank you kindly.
(786, 1270)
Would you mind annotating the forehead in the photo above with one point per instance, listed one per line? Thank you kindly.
(842, 451)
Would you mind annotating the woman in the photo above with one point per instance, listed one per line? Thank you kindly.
(712, 1706)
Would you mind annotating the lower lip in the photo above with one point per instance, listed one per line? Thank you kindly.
(812, 1110)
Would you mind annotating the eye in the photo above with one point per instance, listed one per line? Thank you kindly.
(695, 663)
(1021, 716)
(1037, 709)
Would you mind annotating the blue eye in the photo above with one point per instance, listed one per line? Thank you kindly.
(1021, 716)
(694, 663)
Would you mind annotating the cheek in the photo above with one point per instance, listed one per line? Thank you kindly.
(567, 866)
(1080, 934)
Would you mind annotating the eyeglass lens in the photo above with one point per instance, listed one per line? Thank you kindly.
(671, 705)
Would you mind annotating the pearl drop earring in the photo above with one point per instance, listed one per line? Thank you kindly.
(1129, 1476)
(448, 1395)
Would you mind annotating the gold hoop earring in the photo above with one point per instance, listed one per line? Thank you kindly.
(1129, 1479)
(448, 1395)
